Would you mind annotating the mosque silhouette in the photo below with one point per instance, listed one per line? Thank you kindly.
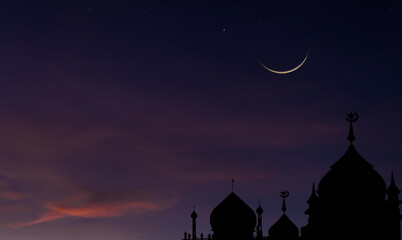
(351, 202)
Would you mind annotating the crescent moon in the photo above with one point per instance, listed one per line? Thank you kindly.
(288, 71)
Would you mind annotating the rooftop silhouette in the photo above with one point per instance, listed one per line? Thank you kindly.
(351, 201)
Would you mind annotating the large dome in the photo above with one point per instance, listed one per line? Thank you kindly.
(284, 228)
(233, 214)
(352, 178)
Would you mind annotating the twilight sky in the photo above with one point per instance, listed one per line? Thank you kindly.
(118, 116)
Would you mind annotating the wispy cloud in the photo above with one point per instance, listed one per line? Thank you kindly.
(10, 195)
(99, 208)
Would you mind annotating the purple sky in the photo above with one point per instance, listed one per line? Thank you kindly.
(118, 117)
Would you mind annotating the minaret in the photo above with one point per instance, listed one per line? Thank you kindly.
(394, 211)
(308, 231)
(259, 212)
(312, 202)
(194, 217)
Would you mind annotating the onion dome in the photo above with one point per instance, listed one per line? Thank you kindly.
(284, 228)
(352, 176)
(232, 214)
(194, 214)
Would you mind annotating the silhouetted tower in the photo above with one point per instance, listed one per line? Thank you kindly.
(394, 211)
(259, 212)
(194, 229)
(313, 203)
(284, 228)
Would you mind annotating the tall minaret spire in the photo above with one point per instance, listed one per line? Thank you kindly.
(259, 222)
(351, 118)
(194, 230)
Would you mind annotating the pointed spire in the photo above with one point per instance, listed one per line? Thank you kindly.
(259, 222)
(313, 192)
(393, 191)
(312, 202)
(284, 194)
(194, 229)
(284, 206)
(259, 209)
(284, 228)
(232, 183)
(393, 186)
(312, 199)
(351, 118)
(194, 214)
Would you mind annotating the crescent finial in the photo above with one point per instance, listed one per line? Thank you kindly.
(351, 118)
(284, 194)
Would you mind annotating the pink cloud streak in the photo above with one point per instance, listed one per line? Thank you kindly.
(9, 195)
(92, 210)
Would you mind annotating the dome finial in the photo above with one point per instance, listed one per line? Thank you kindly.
(351, 118)
(259, 209)
(284, 194)
(194, 214)
(284, 228)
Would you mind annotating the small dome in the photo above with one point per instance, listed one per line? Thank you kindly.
(284, 228)
(352, 177)
(232, 213)
(194, 214)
